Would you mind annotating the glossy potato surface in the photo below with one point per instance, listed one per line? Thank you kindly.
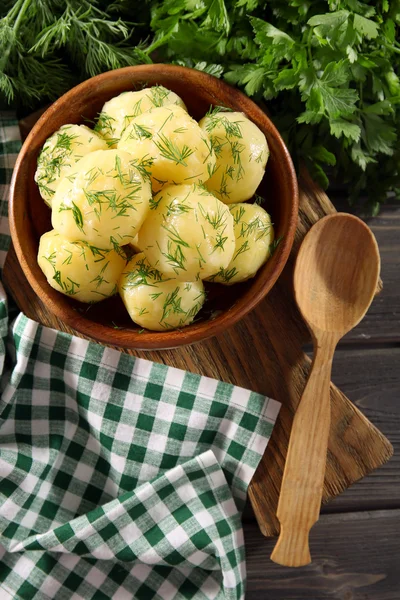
(188, 234)
(254, 235)
(103, 202)
(241, 155)
(155, 301)
(118, 112)
(170, 145)
(79, 270)
(60, 153)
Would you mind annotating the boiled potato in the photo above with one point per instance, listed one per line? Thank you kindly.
(170, 145)
(242, 153)
(155, 301)
(254, 235)
(118, 112)
(104, 201)
(188, 234)
(60, 153)
(85, 272)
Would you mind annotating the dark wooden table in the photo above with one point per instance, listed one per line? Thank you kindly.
(356, 543)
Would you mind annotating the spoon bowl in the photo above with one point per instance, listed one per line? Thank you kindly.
(336, 273)
(335, 279)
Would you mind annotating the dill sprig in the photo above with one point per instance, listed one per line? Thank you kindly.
(157, 95)
(76, 214)
(224, 274)
(174, 256)
(143, 165)
(67, 285)
(237, 213)
(219, 242)
(243, 248)
(178, 207)
(46, 46)
(217, 219)
(100, 279)
(143, 274)
(273, 245)
(55, 154)
(154, 202)
(140, 132)
(172, 304)
(171, 151)
(257, 227)
(217, 118)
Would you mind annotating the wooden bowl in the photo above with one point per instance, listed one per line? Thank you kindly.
(108, 322)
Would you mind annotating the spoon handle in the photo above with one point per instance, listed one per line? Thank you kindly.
(303, 478)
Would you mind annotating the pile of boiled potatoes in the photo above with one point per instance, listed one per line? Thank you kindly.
(150, 203)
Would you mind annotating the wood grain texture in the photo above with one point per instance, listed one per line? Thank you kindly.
(263, 352)
(335, 279)
(302, 483)
(358, 559)
(371, 379)
(382, 322)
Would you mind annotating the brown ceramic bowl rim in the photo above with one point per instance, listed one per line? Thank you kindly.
(150, 340)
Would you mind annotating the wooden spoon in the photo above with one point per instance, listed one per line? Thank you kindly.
(335, 278)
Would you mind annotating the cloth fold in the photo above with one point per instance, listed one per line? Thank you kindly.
(119, 478)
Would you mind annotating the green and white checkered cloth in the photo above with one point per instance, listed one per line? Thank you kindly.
(119, 478)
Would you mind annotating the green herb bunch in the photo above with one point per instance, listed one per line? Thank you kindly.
(327, 71)
(46, 46)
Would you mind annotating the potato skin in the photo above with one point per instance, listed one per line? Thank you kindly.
(188, 234)
(242, 153)
(104, 202)
(60, 153)
(254, 235)
(76, 269)
(155, 301)
(118, 112)
(172, 144)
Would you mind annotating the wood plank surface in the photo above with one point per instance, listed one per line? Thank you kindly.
(382, 322)
(370, 377)
(356, 558)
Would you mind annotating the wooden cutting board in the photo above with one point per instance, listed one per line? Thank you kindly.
(263, 353)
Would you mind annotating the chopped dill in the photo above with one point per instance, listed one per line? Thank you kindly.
(219, 242)
(104, 124)
(243, 248)
(143, 165)
(158, 94)
(155, 296)
(140, 132)
(155, 202)
(174, 256)
(172, 304)
(273, 245)
(224, 274)
(171, 151)
(76, 214)
(100, 279)
(238, 214)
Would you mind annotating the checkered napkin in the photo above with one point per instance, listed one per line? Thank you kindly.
(119, 478)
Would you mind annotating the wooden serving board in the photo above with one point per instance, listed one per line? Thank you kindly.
(264, 352)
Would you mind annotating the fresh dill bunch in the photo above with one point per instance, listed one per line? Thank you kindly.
(46, 46)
